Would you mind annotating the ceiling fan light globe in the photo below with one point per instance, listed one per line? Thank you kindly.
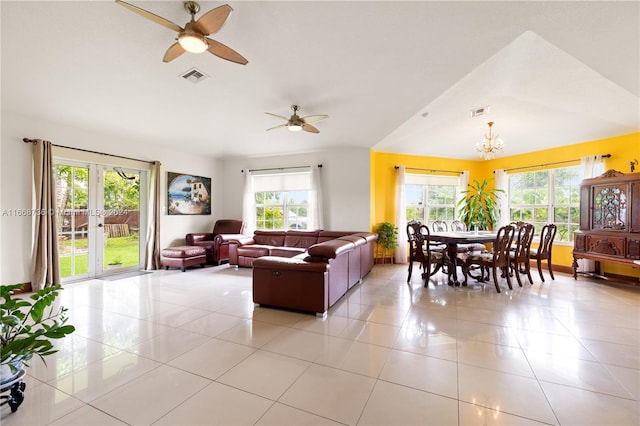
(192, 42)
(294, 127)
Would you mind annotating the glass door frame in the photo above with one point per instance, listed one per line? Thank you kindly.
(95, 218)
(100, 244)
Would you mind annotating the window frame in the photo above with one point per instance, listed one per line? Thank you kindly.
(281, 183)
(573, 205)
(428, 182)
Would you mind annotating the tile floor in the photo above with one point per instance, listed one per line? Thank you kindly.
(173, 348)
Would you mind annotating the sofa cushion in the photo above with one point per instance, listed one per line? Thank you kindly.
(269, 238)
(301, 239)
(181, 252)
(253, 250)
(331, 235)
(228, 226)
(330, 249)
(286, 251)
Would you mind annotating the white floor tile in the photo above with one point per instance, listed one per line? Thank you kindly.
(386, 353)
(327, 392)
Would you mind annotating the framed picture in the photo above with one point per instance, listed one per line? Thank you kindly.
(188, 194)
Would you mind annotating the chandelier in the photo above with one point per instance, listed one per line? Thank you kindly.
(491, 144)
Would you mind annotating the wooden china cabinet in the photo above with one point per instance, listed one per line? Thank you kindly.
(609, 222)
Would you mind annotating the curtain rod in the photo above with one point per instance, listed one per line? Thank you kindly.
(279, 168)
(552, 164)
(430, 170)
(33, 141)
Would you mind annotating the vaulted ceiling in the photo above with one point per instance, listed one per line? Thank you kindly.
(393, 76)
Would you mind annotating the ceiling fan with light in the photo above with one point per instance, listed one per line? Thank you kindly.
(193, 37)
(296, 123)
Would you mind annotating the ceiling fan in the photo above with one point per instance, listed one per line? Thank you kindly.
(296, 123)
(193, 37)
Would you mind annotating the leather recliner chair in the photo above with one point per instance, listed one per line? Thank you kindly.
(216, 242)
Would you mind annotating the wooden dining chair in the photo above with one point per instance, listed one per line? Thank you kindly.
(458, 226)
(497, 261)
(439, 226)
(420, 251)
(519, 255)
(543, 251)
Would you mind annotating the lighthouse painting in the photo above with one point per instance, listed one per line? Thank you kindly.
(188, 194)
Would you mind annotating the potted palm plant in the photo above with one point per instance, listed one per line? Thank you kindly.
(479, 209)
(28, 325)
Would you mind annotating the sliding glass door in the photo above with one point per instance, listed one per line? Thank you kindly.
(101, 219)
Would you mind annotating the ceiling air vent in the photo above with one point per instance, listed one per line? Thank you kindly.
(480, 111)
(194, 75)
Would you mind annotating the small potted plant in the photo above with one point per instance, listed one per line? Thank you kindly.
(387, 237)
(28, 325)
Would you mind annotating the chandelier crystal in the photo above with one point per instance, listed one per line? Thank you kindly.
(490, 145)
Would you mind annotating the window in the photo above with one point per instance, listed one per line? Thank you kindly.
(430, 198)
(547, 196)
(282, 201)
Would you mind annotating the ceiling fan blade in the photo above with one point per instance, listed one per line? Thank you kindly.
(278, 116)
(277, 127)
(314, 118)
(153, 17)
(309, 128)
(173, 52)
(225, 52)
(213, 20)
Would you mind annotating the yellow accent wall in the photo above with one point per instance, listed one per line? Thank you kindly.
(623, 149)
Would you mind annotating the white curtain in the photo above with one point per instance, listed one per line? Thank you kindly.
(463, 183)
(152, 245)
(248, 204)
(401, 217)
(316, 202)
(46, 270)
(502, 182)
(593, 166)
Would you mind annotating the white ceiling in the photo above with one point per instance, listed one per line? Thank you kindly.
(554, 73)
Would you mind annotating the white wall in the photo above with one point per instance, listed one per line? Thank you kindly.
(345, 183)
(16, 184)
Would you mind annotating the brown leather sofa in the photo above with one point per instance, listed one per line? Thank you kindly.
(311, 278)
(216, 242)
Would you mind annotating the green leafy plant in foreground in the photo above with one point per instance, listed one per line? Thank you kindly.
(29, 324)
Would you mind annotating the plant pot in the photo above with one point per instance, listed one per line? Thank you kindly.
(7, 375)
(114, 266)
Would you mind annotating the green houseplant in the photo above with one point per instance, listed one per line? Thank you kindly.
(387, 237)
(29, 324)
(479, 207)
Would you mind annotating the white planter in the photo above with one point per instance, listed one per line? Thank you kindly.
(6, 375)
(114, 266)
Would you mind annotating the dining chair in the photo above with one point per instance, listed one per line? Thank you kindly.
(460, 226)
(439, 226)
(418, 236)
(519, 256)
(547, 235)
(496, 260)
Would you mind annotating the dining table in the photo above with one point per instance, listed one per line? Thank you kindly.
(452, 239)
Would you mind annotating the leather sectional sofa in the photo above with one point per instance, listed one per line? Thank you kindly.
(304, 270)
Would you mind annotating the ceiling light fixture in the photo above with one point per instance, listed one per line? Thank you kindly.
(491, 144)
(192, 41)
(294, 127)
